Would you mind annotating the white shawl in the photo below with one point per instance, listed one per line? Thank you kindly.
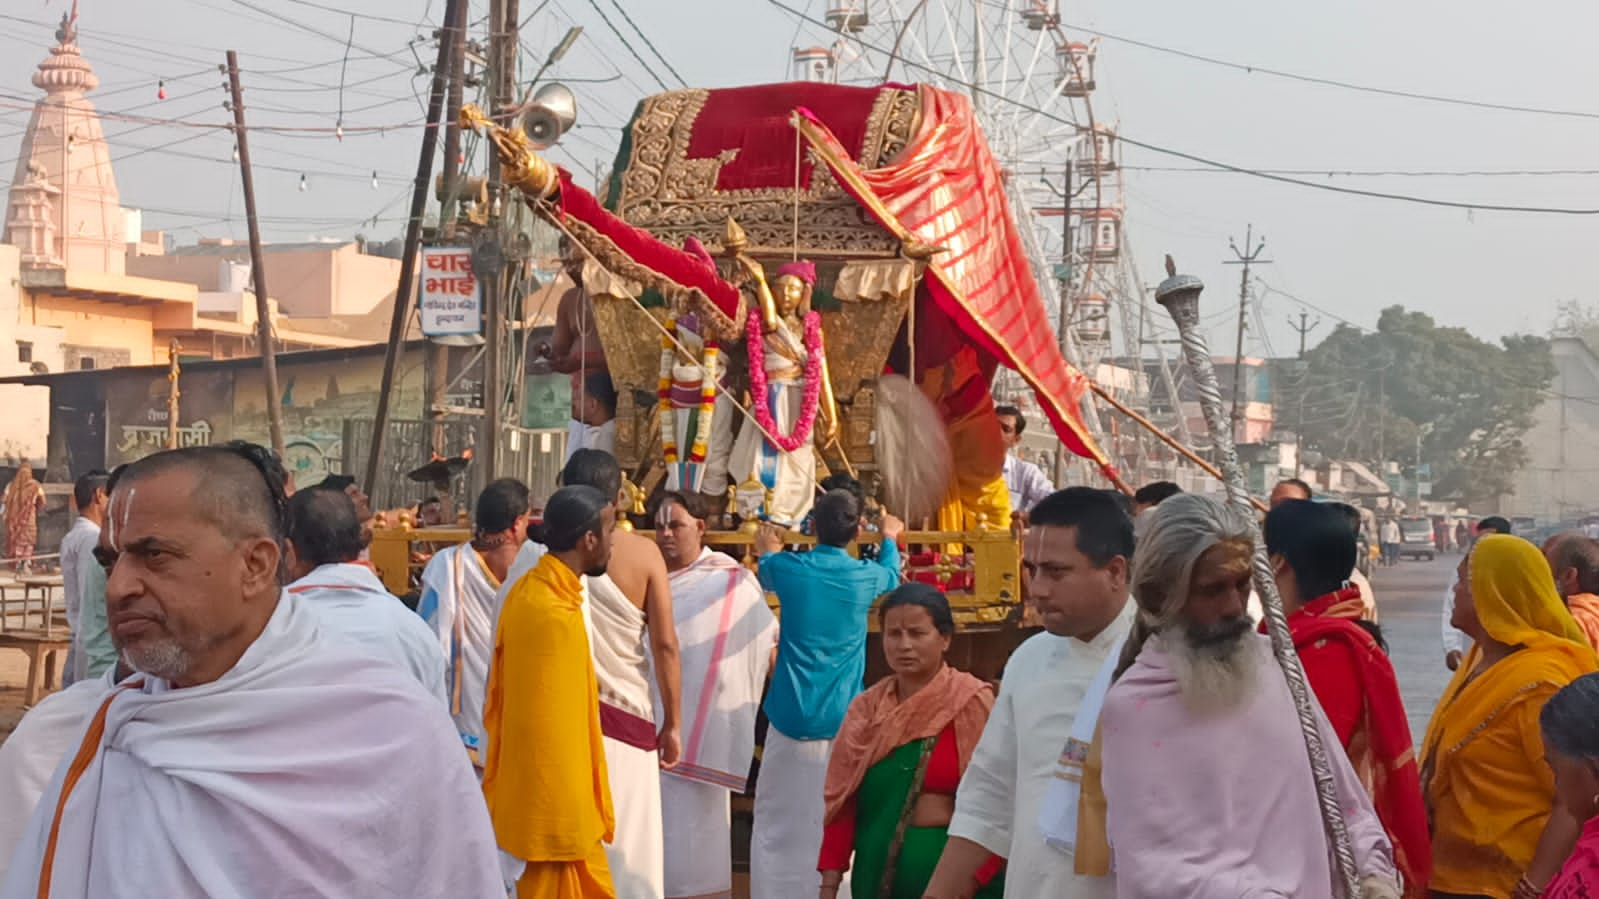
(725, 633)
(460, 602)
(308, 770)
(354, 608)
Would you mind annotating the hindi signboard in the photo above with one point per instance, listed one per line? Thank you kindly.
(450, 297)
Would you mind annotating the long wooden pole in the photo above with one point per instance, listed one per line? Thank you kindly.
(174, 369)
(263, 314)
(1166, 438)
(413, 244)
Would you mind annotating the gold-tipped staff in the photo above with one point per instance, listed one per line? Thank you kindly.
(1180, 295)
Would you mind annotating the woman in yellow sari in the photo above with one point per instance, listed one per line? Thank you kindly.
(1496, 828)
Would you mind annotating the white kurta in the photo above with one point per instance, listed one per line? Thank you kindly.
(998, 802)
(79, 542)
(459, 602)
(354, 608)
(308, 770)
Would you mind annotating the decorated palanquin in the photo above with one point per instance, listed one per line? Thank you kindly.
(769, 263)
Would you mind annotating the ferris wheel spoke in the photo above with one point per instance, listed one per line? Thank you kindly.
(956, 43)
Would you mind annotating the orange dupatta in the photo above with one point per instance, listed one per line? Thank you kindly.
(878, 722)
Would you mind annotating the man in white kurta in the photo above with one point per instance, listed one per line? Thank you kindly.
(726, 635)
(250, 755)
(345, 594)
(81, 584)
(1075, 554)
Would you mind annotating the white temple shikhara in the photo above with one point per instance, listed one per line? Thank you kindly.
(64, 210)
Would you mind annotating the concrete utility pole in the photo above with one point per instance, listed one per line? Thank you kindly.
(263, 316)
(489, 260)
(1247, 258)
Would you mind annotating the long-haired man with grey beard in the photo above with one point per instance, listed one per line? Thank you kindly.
(1208, 786)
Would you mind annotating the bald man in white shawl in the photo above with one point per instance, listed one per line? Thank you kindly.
(727, 635)
(324, 547)
(251, 757)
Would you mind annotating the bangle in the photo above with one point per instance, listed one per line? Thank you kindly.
(1525, 890)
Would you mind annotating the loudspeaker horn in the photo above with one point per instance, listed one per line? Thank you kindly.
(552, 112)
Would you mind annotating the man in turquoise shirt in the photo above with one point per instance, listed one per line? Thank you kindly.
(826, 596)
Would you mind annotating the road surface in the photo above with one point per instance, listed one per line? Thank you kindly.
(1410, 605)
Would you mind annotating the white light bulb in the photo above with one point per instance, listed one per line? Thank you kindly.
(374, 180)
(303, 185)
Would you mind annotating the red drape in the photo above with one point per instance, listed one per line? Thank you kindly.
(945, 189)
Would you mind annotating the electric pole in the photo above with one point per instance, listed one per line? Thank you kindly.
(405, 294)
(490, 254)
(1246, 259)
(263, 315)
(1303, 330)
(454, 34)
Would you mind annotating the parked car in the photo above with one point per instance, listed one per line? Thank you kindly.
(1416, 539)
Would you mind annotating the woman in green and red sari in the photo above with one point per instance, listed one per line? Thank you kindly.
(899, 756)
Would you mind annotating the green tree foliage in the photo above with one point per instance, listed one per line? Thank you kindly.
(1368, 395)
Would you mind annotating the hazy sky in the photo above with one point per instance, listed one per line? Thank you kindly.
(1492, 272)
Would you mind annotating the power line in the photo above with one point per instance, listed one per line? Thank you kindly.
(1192, 157)
(353, 14)
(634, 53)
(1333, 82)
(1377, 173)
(647, 42)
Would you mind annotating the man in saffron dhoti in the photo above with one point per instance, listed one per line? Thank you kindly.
(634, 642)
(1019, 797)
(544, 774)
(250, 755)
(353, 606)
(1312, 549)
(460, 586)
(1209, 789)
(727, 636)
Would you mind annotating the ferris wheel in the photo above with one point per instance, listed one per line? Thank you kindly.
(1032, 86)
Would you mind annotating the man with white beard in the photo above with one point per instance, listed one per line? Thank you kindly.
(1209, 789)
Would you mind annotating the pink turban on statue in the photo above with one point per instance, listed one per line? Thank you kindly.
(805, 270)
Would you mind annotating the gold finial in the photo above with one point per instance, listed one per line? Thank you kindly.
(520, 166)
(734, 241)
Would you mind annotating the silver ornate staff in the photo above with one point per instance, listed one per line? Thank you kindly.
(1180, 295)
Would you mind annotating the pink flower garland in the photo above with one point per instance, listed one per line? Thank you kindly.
(756, 345)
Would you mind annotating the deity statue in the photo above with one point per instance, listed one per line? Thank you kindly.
(791, 395)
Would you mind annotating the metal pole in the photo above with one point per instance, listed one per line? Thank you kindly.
(263, 315)
(438, 367)
(1180, 295)
(1064, 318)
(453, 12)
(1247, 257)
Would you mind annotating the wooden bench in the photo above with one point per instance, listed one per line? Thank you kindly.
(43, 651)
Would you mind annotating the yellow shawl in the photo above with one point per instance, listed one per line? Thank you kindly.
(1488, 790)
(545, 778)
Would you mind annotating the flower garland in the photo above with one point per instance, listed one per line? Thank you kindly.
(755, 343)
(663, 396)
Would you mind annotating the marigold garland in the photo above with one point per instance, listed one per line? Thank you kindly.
(755, 343)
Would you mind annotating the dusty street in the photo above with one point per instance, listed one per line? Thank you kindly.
(1410, 602)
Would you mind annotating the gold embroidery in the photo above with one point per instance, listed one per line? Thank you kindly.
(674, 197)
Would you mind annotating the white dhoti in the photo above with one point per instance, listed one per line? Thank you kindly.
(699, 838)
(595, 437)
(618, 640)
(30, 756)
(788, 819)
(725, 634)
(637, 854)
(460, 602)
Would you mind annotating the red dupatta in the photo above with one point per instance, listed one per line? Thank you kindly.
(1381, 750)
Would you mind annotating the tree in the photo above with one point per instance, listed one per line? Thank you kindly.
(1369, 395)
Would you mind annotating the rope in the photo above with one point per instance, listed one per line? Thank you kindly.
(1198, 355)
